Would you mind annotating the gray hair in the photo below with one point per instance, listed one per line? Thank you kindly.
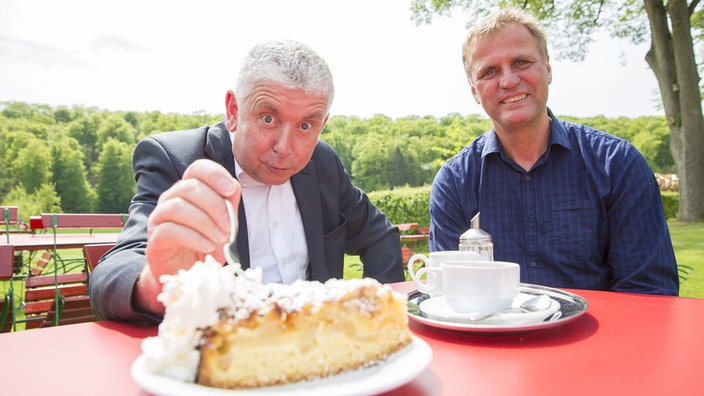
(289, 63)
(496, 21)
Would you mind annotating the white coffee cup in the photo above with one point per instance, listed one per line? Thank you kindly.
(471, 286)
(436, 258)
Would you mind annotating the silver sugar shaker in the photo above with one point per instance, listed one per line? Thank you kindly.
(477, 240)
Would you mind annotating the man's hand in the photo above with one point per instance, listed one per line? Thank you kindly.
(189, 221)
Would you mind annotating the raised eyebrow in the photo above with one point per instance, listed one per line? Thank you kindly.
(314, 116)
(270, 108)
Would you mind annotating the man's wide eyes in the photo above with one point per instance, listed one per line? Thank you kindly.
(269, 119)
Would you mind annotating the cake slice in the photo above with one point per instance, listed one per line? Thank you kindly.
(250, 335)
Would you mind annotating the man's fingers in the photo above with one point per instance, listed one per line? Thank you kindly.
(214, 175)
(194, 206)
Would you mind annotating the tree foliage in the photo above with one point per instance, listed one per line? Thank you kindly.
(32, 165)
(69, 177)
(49, 156)
(115, 182)
(43, 200)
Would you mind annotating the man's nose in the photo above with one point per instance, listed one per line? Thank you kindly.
(509, 79)
(283, 144)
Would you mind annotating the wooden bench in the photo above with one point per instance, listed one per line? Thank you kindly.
(75, 309)
(42, 263)
(40, 294)
(7, 262)
(410, 233)
(406, 254)
(7, 313)
(89, 221)
(9, 218)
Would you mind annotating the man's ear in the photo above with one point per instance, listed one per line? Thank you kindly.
(231, 111)
(474, 94)
(548, 68)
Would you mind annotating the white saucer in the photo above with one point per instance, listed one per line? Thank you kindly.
(436, 308)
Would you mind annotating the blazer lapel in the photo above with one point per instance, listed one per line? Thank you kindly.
(218, 147)
(305, 188)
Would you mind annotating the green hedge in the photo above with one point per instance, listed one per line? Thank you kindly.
(404, 204)
(671, 202)
(410, 204)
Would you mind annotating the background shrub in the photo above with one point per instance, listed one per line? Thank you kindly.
(670, 200)
(404, 204)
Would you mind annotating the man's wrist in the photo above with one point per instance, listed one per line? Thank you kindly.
(146, 290)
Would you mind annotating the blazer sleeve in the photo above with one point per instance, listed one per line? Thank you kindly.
(112, 282)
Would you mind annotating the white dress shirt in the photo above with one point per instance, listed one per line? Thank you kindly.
(277, 241)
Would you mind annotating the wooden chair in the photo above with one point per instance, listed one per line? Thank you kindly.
(41, 264)
(7, 262)
(41, 292)
(7, 314)
(406, 254)
(406, 227)
(412, 233)
(94, 252)
(74, 310)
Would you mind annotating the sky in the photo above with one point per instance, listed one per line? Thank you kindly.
(182, 57)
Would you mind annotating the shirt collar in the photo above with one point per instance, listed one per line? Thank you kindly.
(245, 180)
(558, 135)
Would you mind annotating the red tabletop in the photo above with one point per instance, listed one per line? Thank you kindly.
(63, 241)
(625, 344)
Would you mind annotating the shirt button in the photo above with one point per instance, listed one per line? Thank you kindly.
(533, 264)
(527, 177)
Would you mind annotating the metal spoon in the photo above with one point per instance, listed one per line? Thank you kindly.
(230, 248)
(533, 304)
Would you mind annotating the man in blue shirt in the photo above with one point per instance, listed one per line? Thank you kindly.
(575, 207)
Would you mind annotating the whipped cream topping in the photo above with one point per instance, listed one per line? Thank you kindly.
(195, 298)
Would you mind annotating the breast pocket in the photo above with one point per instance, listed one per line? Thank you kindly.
(335, 240)
(575, 231)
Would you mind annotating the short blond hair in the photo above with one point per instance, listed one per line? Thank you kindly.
(497, 21)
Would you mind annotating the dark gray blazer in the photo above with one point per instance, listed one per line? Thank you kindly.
(338, 218)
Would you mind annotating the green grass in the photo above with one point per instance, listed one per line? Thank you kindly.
(688, 241)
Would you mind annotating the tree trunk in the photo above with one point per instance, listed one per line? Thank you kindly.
(671, 57)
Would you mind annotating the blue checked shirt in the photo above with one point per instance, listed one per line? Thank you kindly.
(588, 215)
